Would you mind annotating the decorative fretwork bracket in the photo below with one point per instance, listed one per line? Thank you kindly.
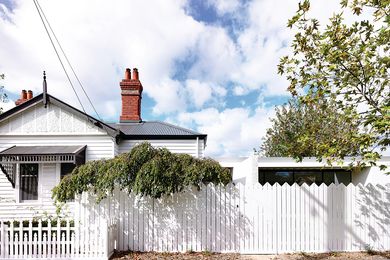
(9, 169)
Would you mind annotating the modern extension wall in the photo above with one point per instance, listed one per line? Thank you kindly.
(245, 169)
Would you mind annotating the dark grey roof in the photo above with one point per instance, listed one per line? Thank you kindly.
(42, 150)
(156, 129)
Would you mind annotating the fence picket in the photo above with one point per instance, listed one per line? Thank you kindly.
(258, 219)
(2, 238)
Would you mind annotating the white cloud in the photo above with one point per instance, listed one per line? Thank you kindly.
(7, 105)
(224, 6)
(103, 39)
(202, 92)
(170, 97)
(199, 92)
(239, 91)
(217, 56)
(231, 132)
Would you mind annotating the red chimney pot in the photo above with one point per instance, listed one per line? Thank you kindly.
(127, 74)
(22, 99)
(135, 74)
(23, 95)
(29, 95)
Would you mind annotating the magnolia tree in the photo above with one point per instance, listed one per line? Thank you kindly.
(349, 63)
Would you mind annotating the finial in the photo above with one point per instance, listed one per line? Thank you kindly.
(44, 89)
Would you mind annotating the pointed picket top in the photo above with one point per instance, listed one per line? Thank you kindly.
(341, 186)
(267, 185)
(276, 185)
(332, 186)
(323, 185)
(295, 185)
(304, 186)
(285, 185)
(351, 185)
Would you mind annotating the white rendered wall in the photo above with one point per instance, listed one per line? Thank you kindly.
(245, 169)
(373, 174)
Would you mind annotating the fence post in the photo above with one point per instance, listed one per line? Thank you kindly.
(30, 237)
(39, 237)
(2, 238)
(11, 238)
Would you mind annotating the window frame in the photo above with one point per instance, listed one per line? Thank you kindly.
(20, 192)
(63, 175)
(262, 171)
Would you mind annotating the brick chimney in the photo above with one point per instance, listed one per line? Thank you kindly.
(131, 92)
(24, 96)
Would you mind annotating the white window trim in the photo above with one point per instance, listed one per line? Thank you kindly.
(39, 188)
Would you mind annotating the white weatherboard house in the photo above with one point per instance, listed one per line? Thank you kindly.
(272, 206)
(43, 139)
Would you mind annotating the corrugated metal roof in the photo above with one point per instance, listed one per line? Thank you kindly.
(42, 150)
(154, 128)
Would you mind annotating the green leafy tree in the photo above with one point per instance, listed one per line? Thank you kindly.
(296, 123)
(348, 62)
(145, 170)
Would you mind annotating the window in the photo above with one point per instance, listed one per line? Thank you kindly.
(29, 181)
(300, 176)
(67, 168)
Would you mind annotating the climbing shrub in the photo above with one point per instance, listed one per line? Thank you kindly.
(145, 170)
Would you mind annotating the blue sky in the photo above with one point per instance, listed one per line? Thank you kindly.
(207, 65)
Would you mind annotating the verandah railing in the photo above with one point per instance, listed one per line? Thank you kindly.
(60, 239)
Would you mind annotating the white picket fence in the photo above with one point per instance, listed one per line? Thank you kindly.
(30, 239)
(249, 219)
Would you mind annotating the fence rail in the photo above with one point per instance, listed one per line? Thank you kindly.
(61, 239)
(249, 219)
